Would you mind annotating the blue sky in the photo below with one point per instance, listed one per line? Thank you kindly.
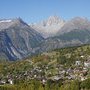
(37, 10)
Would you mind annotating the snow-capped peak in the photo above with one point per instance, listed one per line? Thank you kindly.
(2, 21)
(6, 23)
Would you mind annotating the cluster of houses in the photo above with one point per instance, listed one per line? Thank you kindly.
(79, 71)
(4, 81)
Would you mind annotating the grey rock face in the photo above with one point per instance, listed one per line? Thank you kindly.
(49, 27)
(17, 39)
(76, 23)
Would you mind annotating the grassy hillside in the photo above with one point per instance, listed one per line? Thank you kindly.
(29, 74)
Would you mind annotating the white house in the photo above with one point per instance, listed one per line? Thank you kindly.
(87, 64)
(78, 63)
(10, 81)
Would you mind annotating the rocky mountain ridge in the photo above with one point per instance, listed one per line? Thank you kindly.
(49, 27)
(19, 40)
(74, 32)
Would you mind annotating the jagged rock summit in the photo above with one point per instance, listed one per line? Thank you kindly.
(19, 40)
(49, 27)
(73, 33)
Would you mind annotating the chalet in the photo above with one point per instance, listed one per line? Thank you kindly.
(10, 81)
(83, 78)
(55, 78)
(77, 63)
(87, 63)
(2, 82)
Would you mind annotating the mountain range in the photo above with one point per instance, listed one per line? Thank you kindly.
(19, 39)
(74, 32)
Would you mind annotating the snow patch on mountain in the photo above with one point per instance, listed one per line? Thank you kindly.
(3, 21)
